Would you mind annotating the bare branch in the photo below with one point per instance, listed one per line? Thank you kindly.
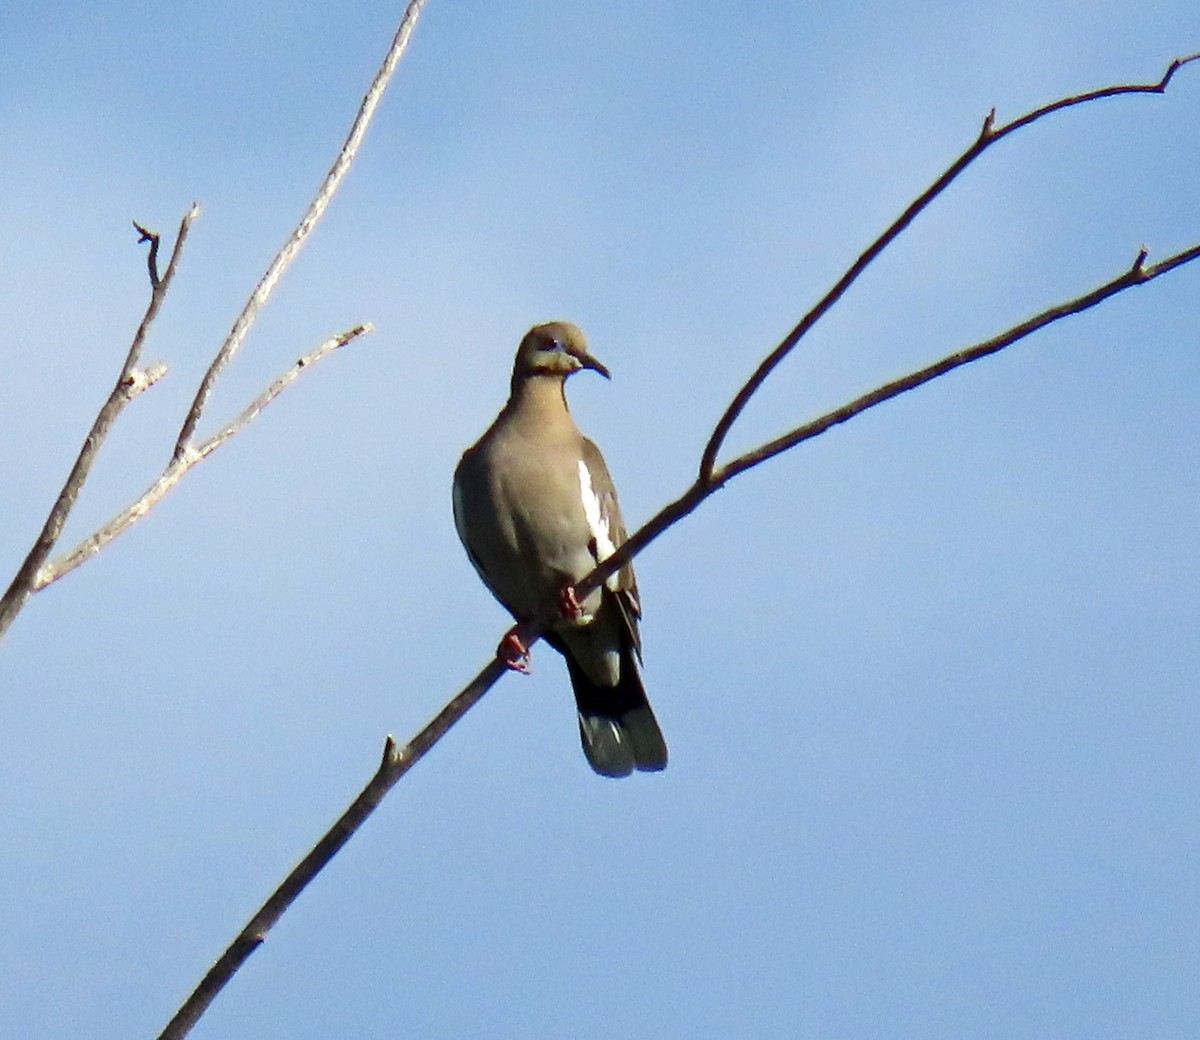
(299, 236)
(130, 382)
(394, 765)
(282, 383)
(176, 468)
(1096, 95)
(988, 135)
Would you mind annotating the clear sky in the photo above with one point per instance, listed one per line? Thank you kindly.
(930, 682)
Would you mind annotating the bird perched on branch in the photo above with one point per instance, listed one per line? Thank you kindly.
(536, 510)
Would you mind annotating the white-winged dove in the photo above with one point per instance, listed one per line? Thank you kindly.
(536, 510)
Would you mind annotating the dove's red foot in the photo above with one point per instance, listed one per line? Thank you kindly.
(569, 605)
(513, 653)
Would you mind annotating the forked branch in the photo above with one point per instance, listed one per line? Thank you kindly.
(131, 381)
(988, 136)
(35, 572)
(176, 468)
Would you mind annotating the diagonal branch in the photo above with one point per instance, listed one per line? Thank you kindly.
(176, 468)
(131, 381)
(284, 258)
(988, 135)
(397, 762)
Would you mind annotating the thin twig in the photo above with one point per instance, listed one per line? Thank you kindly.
(988, 135)
(398, 762)
(176, 468)
(333, 180)
(1096, 95)
(145, 235)
(130, 383)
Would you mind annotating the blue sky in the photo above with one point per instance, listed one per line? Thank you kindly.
(929, 682)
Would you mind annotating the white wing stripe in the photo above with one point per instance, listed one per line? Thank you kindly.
(596, 520)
